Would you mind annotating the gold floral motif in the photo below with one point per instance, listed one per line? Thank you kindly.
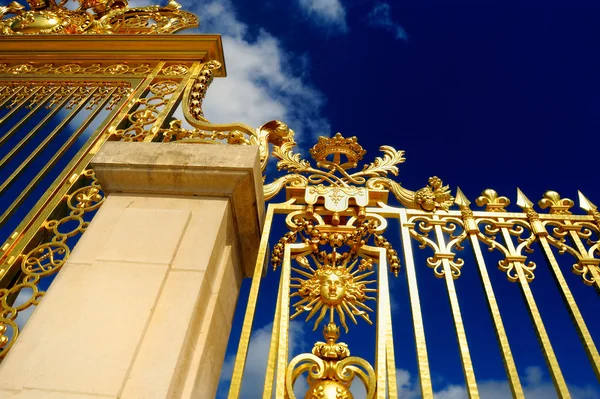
(48, 257)
(175, 70)
(434, 196)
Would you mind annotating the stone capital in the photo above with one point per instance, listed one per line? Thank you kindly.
(191, 170)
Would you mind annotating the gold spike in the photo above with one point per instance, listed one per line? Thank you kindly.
(461, 199)
(523, 201)
(586, 204)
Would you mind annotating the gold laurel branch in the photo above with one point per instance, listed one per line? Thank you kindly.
(383, 165)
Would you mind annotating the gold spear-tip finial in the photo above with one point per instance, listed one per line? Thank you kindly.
(461, 199)
(585, 203)
(523, 201)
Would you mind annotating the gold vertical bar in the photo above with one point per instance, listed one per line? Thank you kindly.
(30, 114)
(384, 297)
(242, 352)
(461, 336)
(382, 326)
(6, 98)
(37, 127)
(50, 136)
(507, 357)
(37, 216)
(576, 316)
(17, 106)
(555, 372)
(284, 322)
(56, 155)
(270, 372)
(415, 306)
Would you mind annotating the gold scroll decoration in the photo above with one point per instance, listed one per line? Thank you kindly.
(46, 17)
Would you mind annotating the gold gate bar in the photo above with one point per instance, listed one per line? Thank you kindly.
(37, 127)
(6, 98)
(57, 155)
(284, 321)
(415, 305)
(380, 337)
(242, 352)
(461, 336)
(43, 144)
(557, 377)
(270, 371)
(507, 357)
(386, 308)
(16, 107)
(30, 114)
(28, 229)
(576, 316)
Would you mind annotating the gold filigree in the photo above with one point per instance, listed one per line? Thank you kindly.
(31, 93)
(146, 112)
(175, 70)
(46, 17)
(77, 69)
(47, 258)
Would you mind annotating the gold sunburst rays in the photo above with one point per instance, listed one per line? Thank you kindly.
(336, 287)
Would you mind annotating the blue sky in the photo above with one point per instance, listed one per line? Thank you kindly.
(484, 94)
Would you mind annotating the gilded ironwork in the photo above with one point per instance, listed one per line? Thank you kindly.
(331, 369)
(48, 257)
(336, 211)
(46, 17)
(76, 69)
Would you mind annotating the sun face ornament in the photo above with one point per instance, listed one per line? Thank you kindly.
(333, 288)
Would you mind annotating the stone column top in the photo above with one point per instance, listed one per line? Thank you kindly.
(179, 169)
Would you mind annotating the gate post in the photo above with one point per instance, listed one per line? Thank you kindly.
(143, 306)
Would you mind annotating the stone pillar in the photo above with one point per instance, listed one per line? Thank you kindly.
(144, 305)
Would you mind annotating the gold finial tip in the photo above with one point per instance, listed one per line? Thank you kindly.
(461, 199)
(585, 203)
(523, 201)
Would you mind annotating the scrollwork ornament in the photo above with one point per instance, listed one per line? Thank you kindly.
(46, 17)
(47, 258)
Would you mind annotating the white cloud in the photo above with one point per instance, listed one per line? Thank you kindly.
(329, 13)
(258, 352)
(380, 16)
(264, 81)
(533, 382)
